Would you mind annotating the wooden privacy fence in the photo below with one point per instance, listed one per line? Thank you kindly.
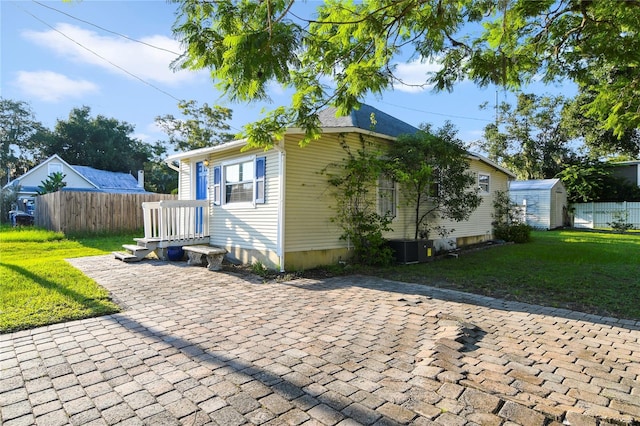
(77, 211)
(600, 215)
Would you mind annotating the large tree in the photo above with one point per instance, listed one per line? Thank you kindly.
(346, 50)
(598, 142)
(18, 127)
(100, 142)
(203, 126)
(530, 138)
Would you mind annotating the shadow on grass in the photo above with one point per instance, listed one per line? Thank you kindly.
(101, 306)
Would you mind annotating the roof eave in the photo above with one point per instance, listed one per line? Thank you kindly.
(203, 152)
(484, 159)
(333, 130)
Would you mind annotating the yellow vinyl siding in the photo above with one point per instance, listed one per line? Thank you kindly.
(184, 185)
(254, 228)
(309, 200)
(478, 227)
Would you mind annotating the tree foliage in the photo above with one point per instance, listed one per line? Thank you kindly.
(99, 142)
(53, 183)
(598, 142)
(531, 139)
(354, 182)
(205, 126)
(594, 181)
(8, 200)
(433, 171)
(18, 127)
(346, 50)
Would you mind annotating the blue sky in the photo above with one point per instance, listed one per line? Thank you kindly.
(57, 63)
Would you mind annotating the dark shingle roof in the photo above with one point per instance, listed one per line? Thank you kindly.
(361, 118)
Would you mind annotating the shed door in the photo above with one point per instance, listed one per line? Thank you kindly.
(201, 192)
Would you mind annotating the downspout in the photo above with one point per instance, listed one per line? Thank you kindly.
(281, 204)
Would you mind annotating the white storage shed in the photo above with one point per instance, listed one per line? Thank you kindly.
(543, 202)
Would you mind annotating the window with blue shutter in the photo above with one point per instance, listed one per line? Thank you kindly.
(240, 182)
(216, 185)
(261, 163)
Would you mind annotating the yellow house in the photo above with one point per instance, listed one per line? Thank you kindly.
(275, 206)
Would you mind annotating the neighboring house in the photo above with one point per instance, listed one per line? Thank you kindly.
(275, 206)
(627, 170)
(77, 178)
(543, 202)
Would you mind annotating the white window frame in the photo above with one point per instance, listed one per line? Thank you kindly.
(223, 183)
(393, 188)
(488, 183)
(54, 168)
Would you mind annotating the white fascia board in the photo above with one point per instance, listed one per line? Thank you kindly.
(201, 152)
(299, 131)
(484, 159)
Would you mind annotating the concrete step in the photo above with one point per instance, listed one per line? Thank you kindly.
(126, 257)
(150, 243)
(135, 249)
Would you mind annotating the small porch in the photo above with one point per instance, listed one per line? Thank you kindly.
(169, 223)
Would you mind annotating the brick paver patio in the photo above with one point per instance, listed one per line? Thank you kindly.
(195, 347)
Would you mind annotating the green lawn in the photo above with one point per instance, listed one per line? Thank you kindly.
(39, 287)
(586, 271)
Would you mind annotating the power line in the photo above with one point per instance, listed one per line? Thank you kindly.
(103, 58)
(438, 113)
(99, 56)
(105, 29)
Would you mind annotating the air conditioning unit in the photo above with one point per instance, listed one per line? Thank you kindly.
(412, 251)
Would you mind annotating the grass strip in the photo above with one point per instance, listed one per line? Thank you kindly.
(38, 287)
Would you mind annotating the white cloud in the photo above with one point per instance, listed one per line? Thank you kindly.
(143, 61)
(49, 86)
(413, 75)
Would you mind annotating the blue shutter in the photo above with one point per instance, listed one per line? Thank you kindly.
(261, 163)
(216, 185)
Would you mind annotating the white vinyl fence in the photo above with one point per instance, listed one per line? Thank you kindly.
(600, 215)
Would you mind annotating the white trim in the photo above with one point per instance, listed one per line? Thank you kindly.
(483, 159)
(58, 166)
(350, 129)
(482, 191)
(223, 184)
(282, 155)
(46, 162)
(205, 152)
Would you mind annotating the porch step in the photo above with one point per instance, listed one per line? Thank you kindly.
(136, 253)
(150, 243)
(126, 257)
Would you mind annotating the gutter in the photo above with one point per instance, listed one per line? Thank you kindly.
(282, 156)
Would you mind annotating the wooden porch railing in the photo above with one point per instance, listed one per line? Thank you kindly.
(176, 220)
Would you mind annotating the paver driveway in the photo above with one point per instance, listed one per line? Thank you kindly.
(197, 347)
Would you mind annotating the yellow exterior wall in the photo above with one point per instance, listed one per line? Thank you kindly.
(310, 237)
(249, 233)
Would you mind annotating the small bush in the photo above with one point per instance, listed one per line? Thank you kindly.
(258, 268)
(620, 222)
(372, 250)
(515, 232)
